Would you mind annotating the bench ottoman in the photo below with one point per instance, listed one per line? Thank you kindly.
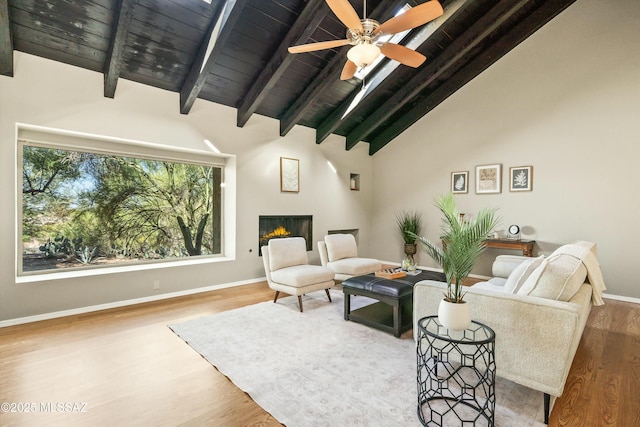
(393, 312)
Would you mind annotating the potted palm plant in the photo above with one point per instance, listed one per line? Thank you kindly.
(409, 223)
(462, 243)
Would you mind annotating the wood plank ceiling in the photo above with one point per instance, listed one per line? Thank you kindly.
(166, 44)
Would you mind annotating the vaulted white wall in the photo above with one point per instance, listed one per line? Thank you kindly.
(567, 102)
(56, 95)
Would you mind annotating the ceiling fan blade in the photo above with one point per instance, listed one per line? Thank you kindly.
(310, 47)
(345, 13)
(402, 54)
(412, 18)
(349, 70)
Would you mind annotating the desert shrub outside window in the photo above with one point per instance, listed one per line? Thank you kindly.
(84, 209)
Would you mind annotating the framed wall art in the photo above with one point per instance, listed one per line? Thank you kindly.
(488, 179)
(289, 175)
(460, 182)
(521, 178)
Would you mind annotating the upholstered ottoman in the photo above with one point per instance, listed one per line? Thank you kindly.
(393, 312)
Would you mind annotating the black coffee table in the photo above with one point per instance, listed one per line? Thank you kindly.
(393, 312)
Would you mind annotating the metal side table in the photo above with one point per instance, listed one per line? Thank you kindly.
(456, 374)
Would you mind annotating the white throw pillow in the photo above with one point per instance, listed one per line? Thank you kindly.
(559, 277)
(503, 265)
(521, 273)
(341, 246)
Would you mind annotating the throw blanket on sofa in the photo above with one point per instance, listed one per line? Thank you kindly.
(583, 251)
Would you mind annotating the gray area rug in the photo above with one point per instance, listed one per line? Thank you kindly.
(316, 369)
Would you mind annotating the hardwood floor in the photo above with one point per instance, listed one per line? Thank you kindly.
(127, 366)
(603, 387)
(129, 369)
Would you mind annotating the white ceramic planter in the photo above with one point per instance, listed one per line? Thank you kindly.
(454, 316)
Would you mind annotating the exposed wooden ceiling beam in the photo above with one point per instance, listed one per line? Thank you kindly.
(329, 74)
(529, 25)
(310, 18)
(449, 58)
(340, 114)
(121, 25)
(6, 40)
(325, 79)
(203, 64)
(332, 122)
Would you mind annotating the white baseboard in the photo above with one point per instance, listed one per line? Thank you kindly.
(117, 304)
(621, 298)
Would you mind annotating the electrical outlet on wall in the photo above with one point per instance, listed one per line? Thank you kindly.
(156, 284)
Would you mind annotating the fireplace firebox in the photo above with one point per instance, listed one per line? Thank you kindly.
(280, 226)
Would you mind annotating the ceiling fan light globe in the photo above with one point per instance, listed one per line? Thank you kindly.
(363, 54)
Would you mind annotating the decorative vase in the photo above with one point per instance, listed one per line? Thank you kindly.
(410, 250)
(454, 316)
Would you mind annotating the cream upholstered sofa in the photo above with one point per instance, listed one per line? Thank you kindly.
(339, 252)
(538, 308)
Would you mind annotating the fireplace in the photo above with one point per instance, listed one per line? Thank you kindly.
(279, 226)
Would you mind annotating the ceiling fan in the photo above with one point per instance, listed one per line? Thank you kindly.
(364, 34)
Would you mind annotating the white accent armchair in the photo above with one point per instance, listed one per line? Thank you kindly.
(288, 270)
(339, 252)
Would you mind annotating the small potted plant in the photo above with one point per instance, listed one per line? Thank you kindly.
(463, 241)
(409, 223)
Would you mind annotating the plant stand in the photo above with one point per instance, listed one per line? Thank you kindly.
(456, 374)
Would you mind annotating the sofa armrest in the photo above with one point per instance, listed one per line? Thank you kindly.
(536, 338)
(503, 265)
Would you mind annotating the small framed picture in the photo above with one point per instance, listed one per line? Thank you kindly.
(488, 179)
(521, 178)
(289, 175)
(460, 182)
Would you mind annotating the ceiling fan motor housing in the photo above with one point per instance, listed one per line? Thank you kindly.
(366, 35)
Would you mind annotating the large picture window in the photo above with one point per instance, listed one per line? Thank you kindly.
(86, 209)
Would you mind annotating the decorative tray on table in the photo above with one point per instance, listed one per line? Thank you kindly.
(391, 273)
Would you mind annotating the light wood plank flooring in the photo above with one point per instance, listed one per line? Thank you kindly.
(131, 370)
